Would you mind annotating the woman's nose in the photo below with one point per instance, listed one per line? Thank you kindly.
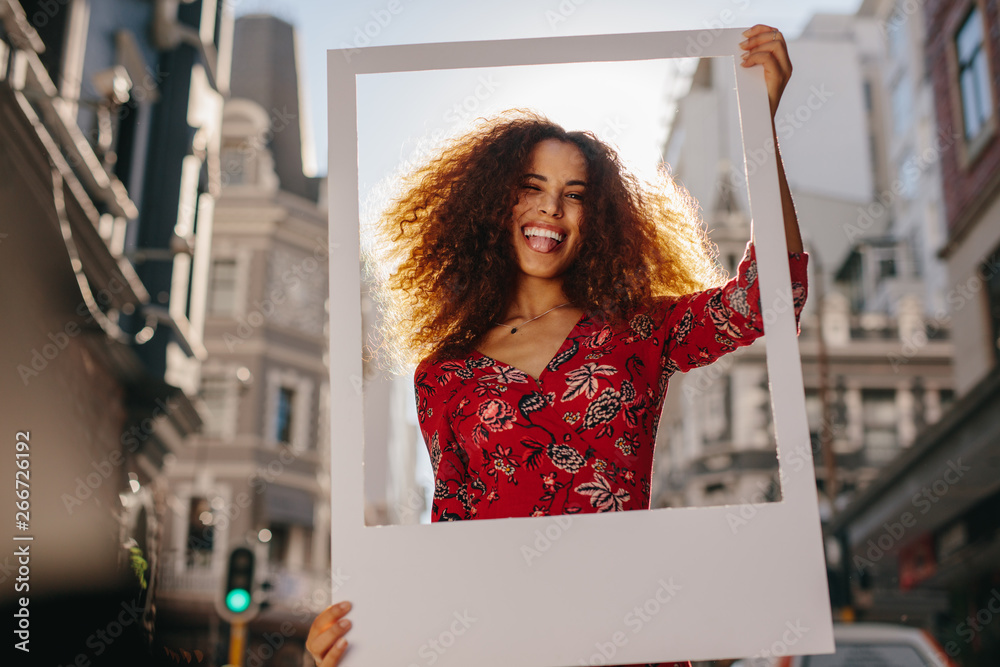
(549, 205)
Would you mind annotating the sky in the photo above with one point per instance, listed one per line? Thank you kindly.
(400, 115)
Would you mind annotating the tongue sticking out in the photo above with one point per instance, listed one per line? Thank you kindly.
(541, 243)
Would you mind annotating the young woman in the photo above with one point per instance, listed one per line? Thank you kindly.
(548, 298)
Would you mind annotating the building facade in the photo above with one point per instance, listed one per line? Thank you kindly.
(258, 475)
(716, 440)
(869, 388)
(924, 537)
(110, 133)
(912, 148)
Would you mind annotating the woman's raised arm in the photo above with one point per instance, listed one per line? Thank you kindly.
(766, 46)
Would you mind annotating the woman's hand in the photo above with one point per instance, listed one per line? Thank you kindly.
(766, 46)
(326, 642)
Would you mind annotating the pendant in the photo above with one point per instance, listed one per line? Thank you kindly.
(514, 330)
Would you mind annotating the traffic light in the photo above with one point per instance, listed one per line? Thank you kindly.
(237, 603)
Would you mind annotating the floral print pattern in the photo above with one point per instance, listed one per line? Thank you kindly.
(579, 438)
(565, 458)
(601, 495)
(496, 415)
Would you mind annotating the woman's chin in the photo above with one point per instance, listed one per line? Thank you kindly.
(543, 271)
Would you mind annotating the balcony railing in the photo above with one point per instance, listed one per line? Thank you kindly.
(203, 580)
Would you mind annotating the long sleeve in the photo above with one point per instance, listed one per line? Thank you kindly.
(701, 327)
(448, 460)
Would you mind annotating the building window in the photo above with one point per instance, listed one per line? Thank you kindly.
(289, 419)
(215, 393)
(237, 167)
(908, 173)
(51, 24)
(973, 74)
(125, 140)
(902, 106)
(992, 269)
(278, 545)
(884, 262)
(307, 546)
(887, 267)
(835, 428)
(222, 287)
(916, 240)
(283, 425)
(201, 534)
(881, 437)
(897, 35)
(713, 489)
(713, 406)
(946, 398)
(814, 417)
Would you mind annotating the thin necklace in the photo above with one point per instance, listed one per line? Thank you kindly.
(514, 330)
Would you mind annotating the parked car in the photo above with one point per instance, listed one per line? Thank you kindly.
(868, 645)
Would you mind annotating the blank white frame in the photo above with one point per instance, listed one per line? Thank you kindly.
(721, 582)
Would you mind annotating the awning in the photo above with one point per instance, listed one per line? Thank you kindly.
(950, 467)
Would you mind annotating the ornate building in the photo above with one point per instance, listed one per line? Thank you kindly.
(109, 168)
(258, 475)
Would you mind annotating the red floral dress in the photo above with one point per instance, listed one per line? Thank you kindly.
(579, 438)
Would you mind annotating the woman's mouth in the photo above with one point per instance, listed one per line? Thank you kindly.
(542, 240)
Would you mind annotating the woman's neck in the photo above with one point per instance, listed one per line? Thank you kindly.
(533, 296)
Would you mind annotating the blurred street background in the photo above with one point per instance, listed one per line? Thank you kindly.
(164, 285)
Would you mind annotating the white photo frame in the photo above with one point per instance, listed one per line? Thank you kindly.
(681, 584)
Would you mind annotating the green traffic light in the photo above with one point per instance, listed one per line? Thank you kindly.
(237, 600)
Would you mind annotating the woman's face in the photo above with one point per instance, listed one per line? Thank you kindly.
(549, 209)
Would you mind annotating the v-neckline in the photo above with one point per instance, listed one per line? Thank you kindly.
(562, 347)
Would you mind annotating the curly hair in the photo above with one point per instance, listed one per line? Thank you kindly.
(445, 244)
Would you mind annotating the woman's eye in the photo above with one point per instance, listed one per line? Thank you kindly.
(576, 195)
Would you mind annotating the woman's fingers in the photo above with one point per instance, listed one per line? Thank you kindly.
(762, 34)
(332, 658)
(770, 57)
(326, 642)
(327, 647)
(766, 46)
(777, 48)
(331, 614)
